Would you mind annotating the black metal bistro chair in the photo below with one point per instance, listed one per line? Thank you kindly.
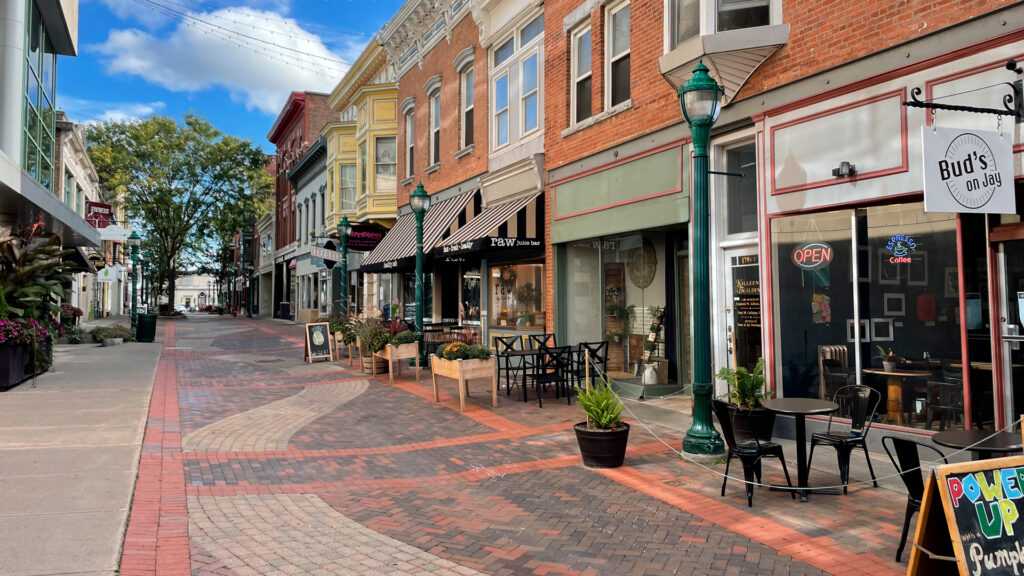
(858, 403)
(598, 352)
(512, 365)
(747, 447)
(535, 341)
(552, 367)
(907, 461)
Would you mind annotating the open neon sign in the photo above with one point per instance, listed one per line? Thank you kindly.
(812, 256)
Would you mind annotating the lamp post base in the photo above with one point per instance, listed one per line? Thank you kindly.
(702, 438)
(702, 443)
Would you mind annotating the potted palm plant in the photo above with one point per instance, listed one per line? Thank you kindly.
(746, 390)
(603, 436)
(371, 337)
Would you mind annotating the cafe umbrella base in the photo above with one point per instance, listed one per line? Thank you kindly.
(602, 448)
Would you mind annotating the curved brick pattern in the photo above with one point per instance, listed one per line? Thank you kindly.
(271, 426)
(204, 406)
(357, 423)
(299, 534)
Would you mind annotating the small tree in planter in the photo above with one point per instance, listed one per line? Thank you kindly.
(404, 346)
(463, 362)
(603, 437)
(746, 390)
(371, 337)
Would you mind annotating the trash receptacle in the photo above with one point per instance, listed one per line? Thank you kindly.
(145, 330)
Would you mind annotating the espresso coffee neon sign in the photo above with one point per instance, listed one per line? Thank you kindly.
(812, 256)
(900, 246)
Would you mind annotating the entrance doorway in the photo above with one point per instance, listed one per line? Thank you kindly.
(742, 308)
(1011, 286)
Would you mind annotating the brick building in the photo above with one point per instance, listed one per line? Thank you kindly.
(812, 117)
(296, 128)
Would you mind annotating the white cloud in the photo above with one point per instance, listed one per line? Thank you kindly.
(153, 18)
(256, 73)
(89, 111)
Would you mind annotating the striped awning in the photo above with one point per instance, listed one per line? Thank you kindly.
(398, 247)
(482, 231)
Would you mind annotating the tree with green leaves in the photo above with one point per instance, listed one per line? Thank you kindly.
(182, 181)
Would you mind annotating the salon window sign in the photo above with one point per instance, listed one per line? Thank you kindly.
(967, 171)
(813, 256)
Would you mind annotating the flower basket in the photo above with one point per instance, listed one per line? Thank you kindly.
(462, 371)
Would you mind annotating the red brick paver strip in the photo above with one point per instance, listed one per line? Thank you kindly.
(292, 468)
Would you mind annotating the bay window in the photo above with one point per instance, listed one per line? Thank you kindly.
(347, 188)
(385, 164)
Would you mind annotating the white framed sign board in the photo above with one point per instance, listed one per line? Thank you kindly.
(967, 171)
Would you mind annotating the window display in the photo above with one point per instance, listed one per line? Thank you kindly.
(517, 294)
(469, 308)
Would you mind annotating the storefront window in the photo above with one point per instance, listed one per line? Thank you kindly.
(517, 291)
(469, 308)
(906, 289)
(634, 298)
(583, 279)
(409, 298)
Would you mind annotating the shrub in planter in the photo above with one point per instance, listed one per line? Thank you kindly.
(405, 337)
(603, 441)
(372, 337)
(75, 334)
(462, 351)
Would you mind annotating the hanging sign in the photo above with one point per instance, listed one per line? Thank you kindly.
(813, 256)
(365, 237)
(108, 273)
(967, 171)
(98, 215)
(971, 520)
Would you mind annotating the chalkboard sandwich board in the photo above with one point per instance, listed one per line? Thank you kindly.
(978, 528)
(318, 341)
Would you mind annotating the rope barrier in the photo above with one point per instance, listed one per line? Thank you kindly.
(604, 376)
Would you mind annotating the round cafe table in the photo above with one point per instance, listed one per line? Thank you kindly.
(799, 408)
(983, 444)
(894, 398)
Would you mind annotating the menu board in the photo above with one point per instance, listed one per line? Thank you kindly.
(981, 508)
(318, 341)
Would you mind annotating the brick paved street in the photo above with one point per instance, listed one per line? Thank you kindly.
(256, 463)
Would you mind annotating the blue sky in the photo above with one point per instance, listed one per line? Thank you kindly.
(232, 61)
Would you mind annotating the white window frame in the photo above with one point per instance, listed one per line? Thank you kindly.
(434, 103)
(496, 114)
(467, 79)
(342, 205)
(708, 14)
(612, 58)
(376, 142)
(410, 142)
(523, 132)
(574, 77)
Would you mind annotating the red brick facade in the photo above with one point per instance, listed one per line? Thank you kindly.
(439, 61)
(296, 128)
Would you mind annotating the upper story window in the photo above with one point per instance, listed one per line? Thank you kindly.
(684, 21)
(80, 200)
(312, 216)
(385, 164)
(517, 83)
(582, 79)
(298, 227)
(501, 111)
(362, 169)
(410, 141)
(435, 128)
(38, 118)
(466, 85)
(530, 93)
(69, 188)
(617, 64)
(347, 187)
(323, 209)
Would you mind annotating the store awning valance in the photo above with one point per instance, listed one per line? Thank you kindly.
(79, 261)
(482, 232)
(398, 248)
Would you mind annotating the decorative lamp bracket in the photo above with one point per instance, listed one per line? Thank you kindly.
(1013, 103)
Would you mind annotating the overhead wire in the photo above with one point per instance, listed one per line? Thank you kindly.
(281, 55)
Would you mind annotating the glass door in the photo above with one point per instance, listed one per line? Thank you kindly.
(743, 308)
(1011, 275)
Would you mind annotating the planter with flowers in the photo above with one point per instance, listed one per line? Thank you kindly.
(69, 314)
(405, 345)
(463, 362)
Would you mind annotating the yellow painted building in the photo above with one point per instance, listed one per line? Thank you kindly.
(362, 162)
(362, 153)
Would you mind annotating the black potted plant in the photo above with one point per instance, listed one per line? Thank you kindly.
(746, 390)
(889, 360)
(603, 437)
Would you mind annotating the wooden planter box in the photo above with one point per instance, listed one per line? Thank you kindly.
(398, 353)
(462, 371)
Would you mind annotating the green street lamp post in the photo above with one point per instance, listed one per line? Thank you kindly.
(419, 201)
(146, 282)
(344, 229)
(700, 100)
(134, 241)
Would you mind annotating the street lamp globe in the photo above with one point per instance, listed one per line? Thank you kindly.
(344, 228)
(134, 240)
(419, 201)
(700, 97)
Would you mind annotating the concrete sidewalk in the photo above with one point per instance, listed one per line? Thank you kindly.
(69, 455)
